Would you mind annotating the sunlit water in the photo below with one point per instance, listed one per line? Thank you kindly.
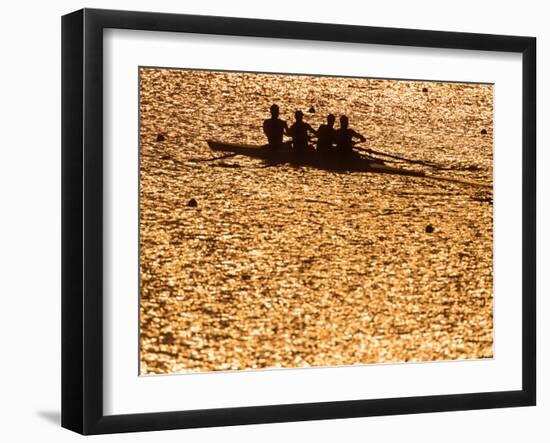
(284, 266)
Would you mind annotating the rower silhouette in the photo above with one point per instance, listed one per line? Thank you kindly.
(344, 137)
(274, 128)
(326, 135)
(299, 131)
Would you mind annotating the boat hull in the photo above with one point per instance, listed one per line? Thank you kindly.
(310, 158)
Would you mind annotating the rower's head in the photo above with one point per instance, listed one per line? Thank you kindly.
(274, 109)
(344, 122)
(299, 116)
(331, 119)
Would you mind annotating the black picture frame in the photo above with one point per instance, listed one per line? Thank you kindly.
(82, 218)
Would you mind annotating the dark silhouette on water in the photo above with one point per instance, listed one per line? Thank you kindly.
(421, 162)
(277, 152)
(353, 163)
(274, 128)
(325, 135)
(299, 131)
(310, 158)
(345, 136)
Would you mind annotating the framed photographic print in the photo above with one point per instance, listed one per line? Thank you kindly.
(269, 221)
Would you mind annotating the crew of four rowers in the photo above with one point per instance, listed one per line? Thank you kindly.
(327, 136)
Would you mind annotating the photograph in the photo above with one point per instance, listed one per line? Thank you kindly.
(290, 221)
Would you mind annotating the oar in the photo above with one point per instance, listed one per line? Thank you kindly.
(397, 157)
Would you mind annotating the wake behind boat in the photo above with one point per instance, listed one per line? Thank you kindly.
(285, 154)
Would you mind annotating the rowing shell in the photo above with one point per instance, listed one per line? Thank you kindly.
(311, 158)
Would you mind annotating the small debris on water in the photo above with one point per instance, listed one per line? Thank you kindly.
(160, 137)
(429, 229)
(192, 203)
(168, 338)
(484, 131)
(312, 110)
(424, 89)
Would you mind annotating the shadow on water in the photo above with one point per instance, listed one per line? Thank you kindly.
(423, 162)
(308, 158)
(333, 164)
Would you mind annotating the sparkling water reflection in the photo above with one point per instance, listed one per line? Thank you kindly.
(286, 266)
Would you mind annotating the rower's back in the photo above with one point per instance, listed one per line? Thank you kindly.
(299, 132)
(344, 136)
(274, 128)
(325, 135)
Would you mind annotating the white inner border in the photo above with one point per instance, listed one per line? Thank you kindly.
(125, 392)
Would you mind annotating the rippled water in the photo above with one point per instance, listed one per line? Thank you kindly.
(282, 266)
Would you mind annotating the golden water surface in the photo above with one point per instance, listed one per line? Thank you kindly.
(287, 266)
